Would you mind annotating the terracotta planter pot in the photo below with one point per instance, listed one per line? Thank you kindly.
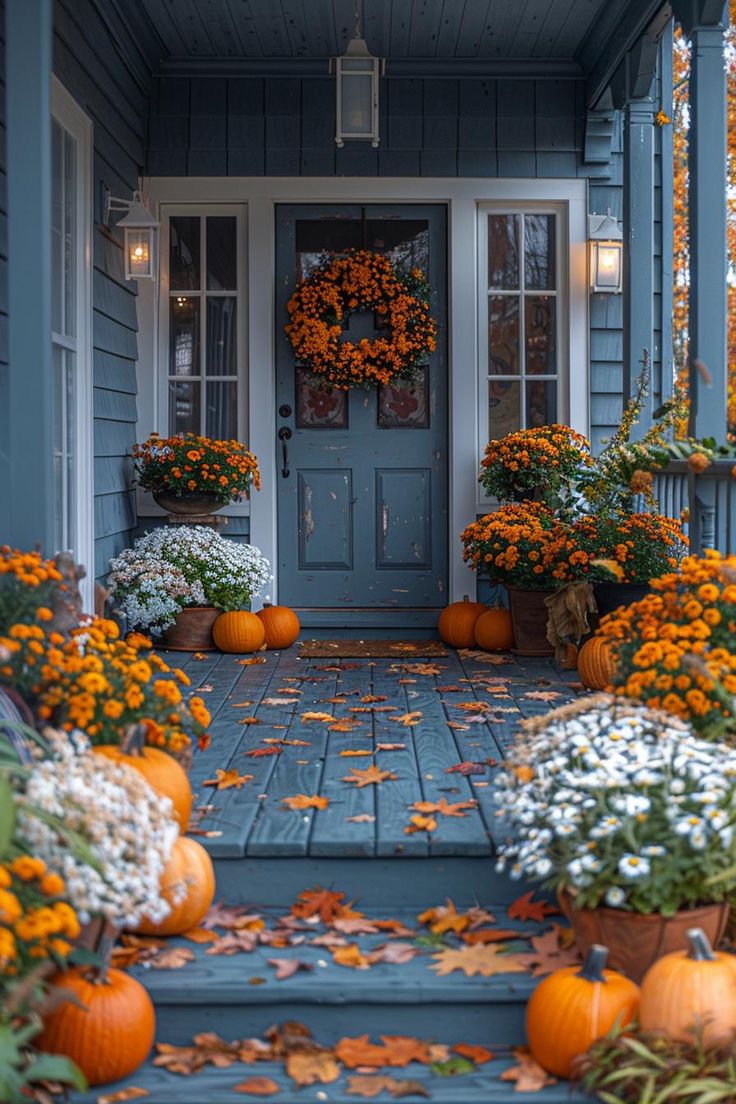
(192, 630)
(189, 505)
(636, 940)
(529, 621)
(609, 596)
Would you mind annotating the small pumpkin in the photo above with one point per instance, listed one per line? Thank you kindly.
(280, 624)
(697, 985)
(189, 871)
(573, 1007)
(112, 1032)
(457, 623)
(493, 630)
(238, 631)
(596, 665)
(161, 771)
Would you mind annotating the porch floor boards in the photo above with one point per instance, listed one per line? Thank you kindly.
(252, 821)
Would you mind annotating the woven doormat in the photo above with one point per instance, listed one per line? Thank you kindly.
(372, 649)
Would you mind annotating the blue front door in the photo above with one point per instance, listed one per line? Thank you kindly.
(362, 503)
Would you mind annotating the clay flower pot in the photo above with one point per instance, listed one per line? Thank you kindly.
(192, 630)
(529, 621)
(188, 505)
(636, 940)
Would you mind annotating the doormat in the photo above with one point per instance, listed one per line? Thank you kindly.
(372, 649)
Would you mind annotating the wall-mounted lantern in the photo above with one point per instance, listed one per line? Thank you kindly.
(140, 228)
(357, 73)
(606, 253)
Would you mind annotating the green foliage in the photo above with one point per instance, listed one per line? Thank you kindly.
(21, 1067)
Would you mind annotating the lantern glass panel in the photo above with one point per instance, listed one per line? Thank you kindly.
(139, 248)
(356, 104)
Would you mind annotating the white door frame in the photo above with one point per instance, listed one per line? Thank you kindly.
(463, 198)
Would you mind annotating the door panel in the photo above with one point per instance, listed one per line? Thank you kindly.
(362, 502)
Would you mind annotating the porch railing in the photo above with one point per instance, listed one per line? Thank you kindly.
(709, 498)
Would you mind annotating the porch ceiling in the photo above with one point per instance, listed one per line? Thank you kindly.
(575, 33)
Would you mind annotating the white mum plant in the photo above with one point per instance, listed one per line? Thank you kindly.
(622, 806)
(179, 565)
(129, 831)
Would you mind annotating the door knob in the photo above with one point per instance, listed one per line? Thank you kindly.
(284, 436)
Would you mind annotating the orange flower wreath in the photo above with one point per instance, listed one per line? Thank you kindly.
(361, 281)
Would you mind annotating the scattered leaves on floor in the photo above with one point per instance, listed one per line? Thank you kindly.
(324, 903)
(310, 1067)
(240, 942)
(370, 1085)
(304, 801)
(524, 908)
(466, 767)
(131, 1093)
(287, 967)
(395, 1051)
(421, 668)
(390, 747)
(361, 818)
(442, 806)
(248, 721)
(550, 952)
(207, 1049)
(345, 724)
(477, 1054)
(252, 661)
(528, 1074)
(233, 917)
(226, 779)
(419, 823)
(262, 753)
(453, 1067)
(445, 918)
(372, 775)
(315, 715)
(352, 752)
(543, 695)
(257, 1086)
(409, 719)
(484, 959)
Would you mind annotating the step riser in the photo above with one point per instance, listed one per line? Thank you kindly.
(380, 884)
(498, 1024)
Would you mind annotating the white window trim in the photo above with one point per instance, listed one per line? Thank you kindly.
(462, 197)
(68, 113)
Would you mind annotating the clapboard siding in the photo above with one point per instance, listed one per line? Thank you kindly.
(106, 62)
(3, 261)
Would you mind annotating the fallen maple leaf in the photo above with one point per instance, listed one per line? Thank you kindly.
(257, 1086)
(466, 767)
(358, 925)
(352, 956)
(277, 701)
(131, 1093)
(349, 753)
(491, 935)
(421, 668)
(395, 1051)
(396, 953)
(549, 953)
(478, 1054)
(528, 1074)
(370, 776)
(248, 721)
(361, 818)
(171, 959)
(319, 902)
(232, 917)
(523, 908)
(225, 779)
(206, 1049)
(371, 1085)
(374, 698)
(261, 753)
(286, 967)
(420, 824)
(302, 801)
(484, 959)
(409, 719)
(312, 715)
(308, 1067)
(449, 689)
(344, 725)
(234, 943)
(287, 690)
(543, 695)
(251, 662)
(443, 807)
(200, 656)
(390, 747)
(445, 918)
(473, 706)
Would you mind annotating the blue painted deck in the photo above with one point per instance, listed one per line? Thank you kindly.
(265, 855)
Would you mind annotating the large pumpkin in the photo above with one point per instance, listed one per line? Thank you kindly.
(111, 1035)
(493, 630)
(162, 773)
(189, 872)
(573, 1007)
(238, 631)
(596, 665)
(280, 624)
(457, 623)
(692, 987)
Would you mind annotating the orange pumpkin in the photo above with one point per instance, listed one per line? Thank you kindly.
(162, 773)
(493, 630)
(110, 1036)
(694, 986)
(188, 871)
(457, 623)
(281, 626)
(238, 631)
(596, 665)
(573, 1007)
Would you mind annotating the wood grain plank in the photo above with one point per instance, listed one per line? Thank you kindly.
(394, 798)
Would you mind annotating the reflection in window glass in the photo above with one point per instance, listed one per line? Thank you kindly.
(541, 402)
(503, 251)
(184, 252)
(503, 335)
(540, 317)
(504, 406)
(184, 411)
(222, 410)
(221, 253)
(539, 252)
(184, 337)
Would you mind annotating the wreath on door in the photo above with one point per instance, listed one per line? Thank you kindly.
(361, 281)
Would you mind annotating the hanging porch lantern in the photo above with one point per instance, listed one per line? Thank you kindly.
(357, 73)
(606, 253)
(139, 228)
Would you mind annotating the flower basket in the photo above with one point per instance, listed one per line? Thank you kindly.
(636, 940)
(188, 505)
(529, 621)
(192, 630)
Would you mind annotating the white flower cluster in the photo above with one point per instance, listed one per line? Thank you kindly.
(126, 829)
(177, 566)
(620, 804)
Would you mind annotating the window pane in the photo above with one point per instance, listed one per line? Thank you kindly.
(57, 229)
(541, 402)
(317, 239)
(184, 397)
(70, 235)
(503, 335)
(222, 410)
(221, 359)
(404, 241)
(184, 253)
(184, 337)
(540, 335)
(539, 251)
(64, 430)
(59, 466)
(222, 253)
(504, 407)
(503, 251)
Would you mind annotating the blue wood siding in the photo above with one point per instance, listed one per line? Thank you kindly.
(4, 434)
(106, 67)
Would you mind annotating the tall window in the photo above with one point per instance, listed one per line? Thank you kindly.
(520, 320)
(205, 338)
(70, 322)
